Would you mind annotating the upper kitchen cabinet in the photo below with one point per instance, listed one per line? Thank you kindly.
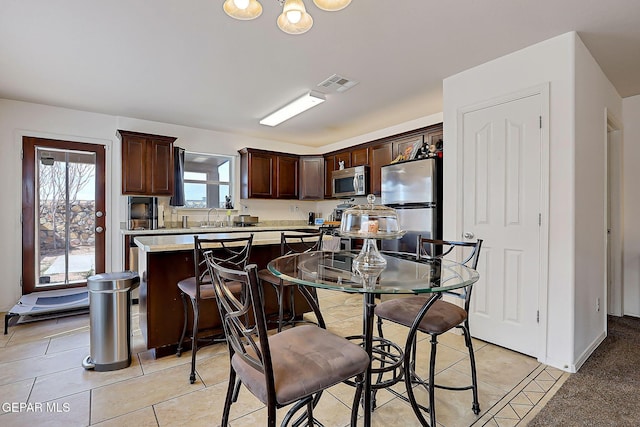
(360, 156)
(381, 155)
(312, 180)
(268, 175)
(401, 145)
(147, 164)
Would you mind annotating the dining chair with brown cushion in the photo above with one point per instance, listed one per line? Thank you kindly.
(292, 367)
(300, 241)
(231, 252)
(437, 318)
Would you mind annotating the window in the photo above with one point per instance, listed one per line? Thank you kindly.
(207, 180)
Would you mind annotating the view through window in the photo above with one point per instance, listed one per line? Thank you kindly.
(207, 180)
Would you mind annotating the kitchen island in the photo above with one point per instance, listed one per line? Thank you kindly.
(163, 260)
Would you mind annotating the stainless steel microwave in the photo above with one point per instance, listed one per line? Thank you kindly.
(350, 182)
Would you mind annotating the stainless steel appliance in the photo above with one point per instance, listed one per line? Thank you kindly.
(350, 182)
(142, 213)
(414, 189)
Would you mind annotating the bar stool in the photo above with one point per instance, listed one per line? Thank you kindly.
(433, 319)
(300, 241)
(232, 253)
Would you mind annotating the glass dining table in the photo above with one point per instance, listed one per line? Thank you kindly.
(403, 274)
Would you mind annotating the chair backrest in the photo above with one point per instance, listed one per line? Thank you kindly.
(246, 339)
(300, 241)
(468, 253)
(230, 252)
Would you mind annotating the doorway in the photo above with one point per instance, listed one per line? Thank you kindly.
(614, 280)
(63, 213)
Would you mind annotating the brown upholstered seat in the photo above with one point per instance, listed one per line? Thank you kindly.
(292, 367)
(232, 252)
(440, 317)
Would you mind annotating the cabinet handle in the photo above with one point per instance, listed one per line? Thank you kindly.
(99, 229)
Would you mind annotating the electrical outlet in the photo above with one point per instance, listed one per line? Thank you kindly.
(597, 304)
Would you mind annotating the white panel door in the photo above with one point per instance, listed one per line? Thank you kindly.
(501, 205)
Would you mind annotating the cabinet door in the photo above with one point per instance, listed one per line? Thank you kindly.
(360, 157)
(287, 177)
(160, 173)
(134, 165)
(342, 157)
(380, 155)
(400, 146)
(261, 168)
(329, 166)
(312, 181)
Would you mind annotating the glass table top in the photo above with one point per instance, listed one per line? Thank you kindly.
(403, 274)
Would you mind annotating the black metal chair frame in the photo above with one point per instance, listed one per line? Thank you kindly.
(439, 249)
(298, 241)
(231, 252)
(251, 343)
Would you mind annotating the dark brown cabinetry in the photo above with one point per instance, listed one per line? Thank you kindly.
(380, 155)
(287, 177)
(360, 156)
(401, 145)
(268, 175)
(312, 180)
(147, 164)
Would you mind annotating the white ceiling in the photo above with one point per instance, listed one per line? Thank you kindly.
(186, 62)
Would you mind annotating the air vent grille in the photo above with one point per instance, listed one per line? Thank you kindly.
(337, 83)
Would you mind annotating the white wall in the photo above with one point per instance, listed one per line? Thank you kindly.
(631, 201)
(555, 62)
(595, 97)
(18, 119)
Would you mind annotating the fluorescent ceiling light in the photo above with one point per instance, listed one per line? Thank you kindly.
(293, 108)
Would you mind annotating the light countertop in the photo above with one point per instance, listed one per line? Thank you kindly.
(183, 241)
(216, 230)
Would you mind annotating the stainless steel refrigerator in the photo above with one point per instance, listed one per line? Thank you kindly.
(414, 189)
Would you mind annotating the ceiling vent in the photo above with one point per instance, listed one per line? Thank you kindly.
(337, 83)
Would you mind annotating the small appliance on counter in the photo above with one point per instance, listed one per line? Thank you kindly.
(337, 212)
(245, 220)
(142, 213)
(312, 218)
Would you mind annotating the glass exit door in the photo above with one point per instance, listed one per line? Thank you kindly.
(67, 221)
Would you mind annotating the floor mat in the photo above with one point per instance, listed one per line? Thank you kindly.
(47, 305)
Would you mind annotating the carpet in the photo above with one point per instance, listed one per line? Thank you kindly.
(604, 392)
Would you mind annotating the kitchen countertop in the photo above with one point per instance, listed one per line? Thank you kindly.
(175, 241)
(208, 230)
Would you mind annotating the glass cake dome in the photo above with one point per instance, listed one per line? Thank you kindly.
(370, 222)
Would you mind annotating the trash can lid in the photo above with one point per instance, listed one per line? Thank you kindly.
(113, 281)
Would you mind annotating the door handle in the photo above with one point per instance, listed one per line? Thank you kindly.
(468, 235)
(99, 229)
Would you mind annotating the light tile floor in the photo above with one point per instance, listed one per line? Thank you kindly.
(40, 369)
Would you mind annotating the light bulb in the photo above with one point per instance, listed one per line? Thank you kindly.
(241, 4)
(294, 16)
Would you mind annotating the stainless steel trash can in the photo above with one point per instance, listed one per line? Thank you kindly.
(110, 320)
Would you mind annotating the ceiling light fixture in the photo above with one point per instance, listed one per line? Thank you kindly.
(243, 10)
(294, 18)
(295, 107)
